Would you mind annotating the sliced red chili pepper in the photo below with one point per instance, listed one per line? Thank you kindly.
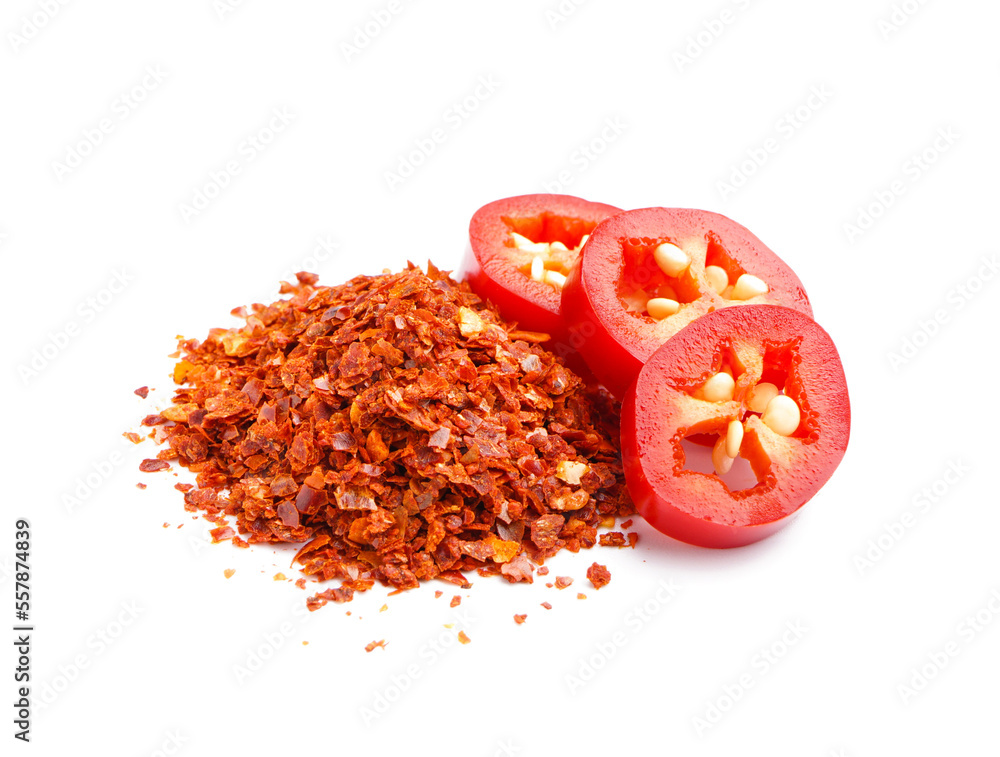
(521, 251)
(767, 383)
(645, 274)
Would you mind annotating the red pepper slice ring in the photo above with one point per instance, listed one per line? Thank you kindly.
(791, 451)
(608, 301)
(500, 271)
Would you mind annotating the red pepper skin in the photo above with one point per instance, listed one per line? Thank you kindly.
(618, 258)
(659, 412)
(490, 264)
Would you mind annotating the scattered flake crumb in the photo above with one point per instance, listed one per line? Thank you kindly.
(166, 525)
(581, 595)
(279, 577)
(543, 571)
(599, 575)
(549, 586)
(305, 643)
(463, 638)
(633, 539)
(383, 608)
(437, 594)
(613, 539)
(627, 524)
(563, 581)
(546, 605)
(133, 437)
(519, 619)
(140, 486)
(301, 583)
(229, 572)
(449, 625)
(369, 647)
(456, 601)
(142, 391)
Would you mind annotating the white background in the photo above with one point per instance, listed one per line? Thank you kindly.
(139, 637)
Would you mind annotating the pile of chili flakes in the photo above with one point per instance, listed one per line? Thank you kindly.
(398, 427)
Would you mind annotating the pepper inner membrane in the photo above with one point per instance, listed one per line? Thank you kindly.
(546, 247)
(754, 401)
(659, 276)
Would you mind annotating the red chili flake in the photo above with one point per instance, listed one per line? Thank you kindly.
(627, 524)
(437, 594)
(152, 466)
(132, 437)
(280, 577)
(300, 583)
(519, 619)
(599, 575)
(563, 581)
(140, 486)
(143, 391)
(166, 525)
(397, 430)
(633, 539)
(543, 570)
(456, 601)
(613, 539)
(463, 638)
(546, 605)
(228, 572)
(549, 586)
(184, 487)
(370, 647)
(240, 543)
(581, 596)
(222, 533)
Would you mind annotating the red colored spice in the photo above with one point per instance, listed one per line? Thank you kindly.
(519, 619)
(398, 429)
(463, 638)
(152, 466)
(140, 486)
(456, 601)
(563, 581)
(143, 391)
(374, 645)
(599, 575)
(546, 605)
(132, 437)
(613, 539)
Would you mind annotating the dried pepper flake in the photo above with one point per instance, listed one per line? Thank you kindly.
(456, 601)
(613, 539)
(581, 596)
(599, 575)
(627, 524)
(142, 391)
(374, 645)
(140, 486)
(563, 581)
(546, 605)
(228, 572)
(397, 430)
(463, 638)
(132, 437)
(280, 577)
(519, 619)
(152, 466)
